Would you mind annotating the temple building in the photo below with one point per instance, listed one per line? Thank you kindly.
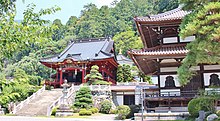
(162, 55)
(76, 60)
(124, 60)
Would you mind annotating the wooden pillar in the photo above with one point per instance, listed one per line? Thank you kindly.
(158, 71)
(201, 72)
(57, 79)
(83, 75)
(61, 77)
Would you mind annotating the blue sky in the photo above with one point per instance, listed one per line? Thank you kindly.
(68, 7)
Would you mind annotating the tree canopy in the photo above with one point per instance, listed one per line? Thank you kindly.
(204, 23)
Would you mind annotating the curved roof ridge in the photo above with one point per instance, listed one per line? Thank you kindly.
(166, 13)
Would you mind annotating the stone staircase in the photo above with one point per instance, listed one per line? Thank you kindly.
(38, 106)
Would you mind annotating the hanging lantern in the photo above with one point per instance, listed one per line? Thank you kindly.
(75, 71)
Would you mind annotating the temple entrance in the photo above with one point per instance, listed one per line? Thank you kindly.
(72, 77)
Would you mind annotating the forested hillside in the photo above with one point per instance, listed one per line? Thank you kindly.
(115, 22)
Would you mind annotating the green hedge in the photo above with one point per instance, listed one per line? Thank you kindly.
(201, 103)
(94, 110)
(84, 112)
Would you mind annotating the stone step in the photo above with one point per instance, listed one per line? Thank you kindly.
(38, 106)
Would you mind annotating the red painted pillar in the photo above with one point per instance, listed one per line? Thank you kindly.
(83, 75)
(61, 77)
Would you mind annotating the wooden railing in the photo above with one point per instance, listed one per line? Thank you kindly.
(28, 100)
(70, 99)
(172, 94)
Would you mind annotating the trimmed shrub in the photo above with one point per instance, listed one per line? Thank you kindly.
(94, 110)
(106, 106)
(122, 111)
(112, 111)
(83, 98)
(101, 82)
(54, 110)
(218, 112)
(133, 109)
(201, 103)
(84, 112)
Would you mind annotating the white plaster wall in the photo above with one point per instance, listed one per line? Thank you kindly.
(169, 69)
(154, 79)
(120, 100)
(173, 92)
(211, 67)
(207, 77)
(163, 79)
(170, 40)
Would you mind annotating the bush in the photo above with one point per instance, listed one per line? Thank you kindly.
(106, 106)
(75, 109)
(218, 112)
(112, 111)
(101, 82)
(84, 112)
(133, 109)
(201, 103)
(122, 111)
(48, 87)
(54, 110)
(94, 110)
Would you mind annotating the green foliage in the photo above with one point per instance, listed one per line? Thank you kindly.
(94, 75)
(83, 98)
(122, 111)
(218, 112)
(84, 112)
(94, 110)
(206, 27)
(54, 110)
(16, 89)
(101, 83)
(133, 109)
(201, 103)
(127, 40)
(59, 32)
(124, 73)
(120, 76)
(30, 26)
(112, 111)
(106, 106)
(166, 5)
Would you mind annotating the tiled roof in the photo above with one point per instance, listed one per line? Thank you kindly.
(174, 14)
(162, 50)
(85, 49)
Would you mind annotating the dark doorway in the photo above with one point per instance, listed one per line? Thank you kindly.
(129, 99)
(71, 77)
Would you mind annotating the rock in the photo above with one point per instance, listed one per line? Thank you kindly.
(212, 117)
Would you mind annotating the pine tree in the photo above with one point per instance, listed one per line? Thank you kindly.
(204, 23)
(94, 75)
(83, 98)
(127, 73)
(120, 77)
